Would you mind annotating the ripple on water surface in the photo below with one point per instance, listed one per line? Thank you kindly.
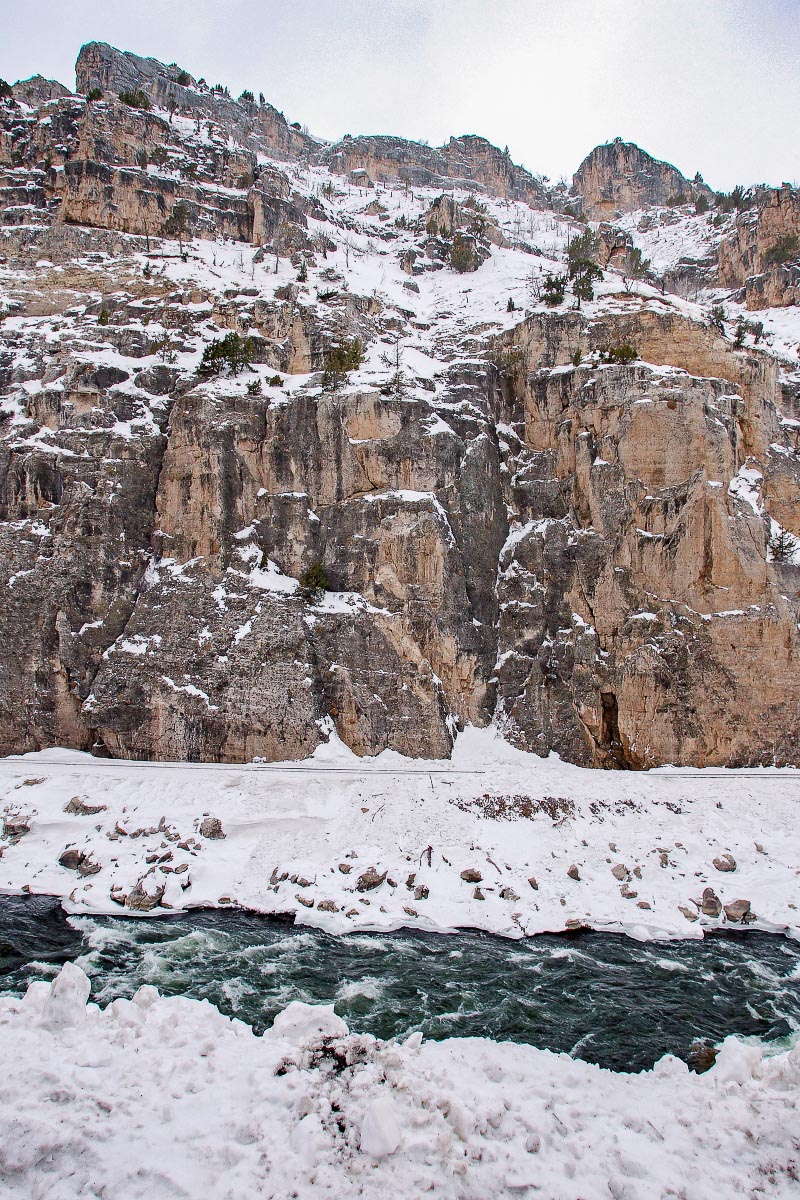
(602, 997)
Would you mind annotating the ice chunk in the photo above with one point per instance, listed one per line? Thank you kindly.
(66, 1003)
(300, 1023)
(380, 1132)
(736, 1061)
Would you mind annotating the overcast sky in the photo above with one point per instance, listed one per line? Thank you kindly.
(710, 85)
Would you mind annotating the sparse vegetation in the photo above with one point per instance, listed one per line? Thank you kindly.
(583, 274)
(782, 546)
(102, 317)
(177, 223)
(340, 360)
(622, 354)
(314, 582)
(135, 99)
(510, 306)
(554, 289)
(232, 353)
(184, 78)
(701, 204)
(462, 254)
(254, 387)
(93, 94)
(785, 250)
(6, 91)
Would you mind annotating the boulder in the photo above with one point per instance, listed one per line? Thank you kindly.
(370, 879)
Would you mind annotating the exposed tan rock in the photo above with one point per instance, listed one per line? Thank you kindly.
(744, 257)
(619, 177)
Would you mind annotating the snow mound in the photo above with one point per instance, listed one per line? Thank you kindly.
(168, 1098)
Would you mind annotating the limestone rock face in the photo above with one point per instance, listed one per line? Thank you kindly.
(469, 160)
(619, 177)
(255, 126)
(763, 253)
(38, 90)
(634, 589)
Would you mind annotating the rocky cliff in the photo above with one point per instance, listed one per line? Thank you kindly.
(619, 177)
(762, 255)
(563, 518)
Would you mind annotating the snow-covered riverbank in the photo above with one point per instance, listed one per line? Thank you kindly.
(493, 839)
(164, 1098)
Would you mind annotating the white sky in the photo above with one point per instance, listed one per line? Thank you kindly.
(710, 85)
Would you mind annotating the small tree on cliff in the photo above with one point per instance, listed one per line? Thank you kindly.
(583, 273)
(314, 582)
(339, 360)
(232, 353)
(176, 223)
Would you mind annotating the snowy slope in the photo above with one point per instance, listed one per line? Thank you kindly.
(299, 838)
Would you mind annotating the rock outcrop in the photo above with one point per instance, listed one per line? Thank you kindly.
(763, 253)
(619, 177)
(469, 161)
(257, 127)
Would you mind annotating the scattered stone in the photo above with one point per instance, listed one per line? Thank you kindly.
(478, 894)
(759, 848)
(627, 893)
(222, 900)
(327, 906)
(211, 828)
(351, 912)
(345, 868)
(301, 881)
(642, 904)
(711, 906)
(663, 858)
(508, 893)
(410, 880)
(421, 891)
(140, 900)
(619, 872)
(687, 912)
(70, 857)
(278, 877)
(573, 872)
(738, 910)
(637, 872)
(78, 860)
(14, 829)
(471, 875)
(306, 901)
(79, 808)
(701, 1057)
(574, 924)
(371, 879)
(533, 883)
(179, 870)
(725, 862)
(412, 912)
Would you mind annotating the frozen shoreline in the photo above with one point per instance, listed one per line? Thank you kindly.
(168, 1098)
(347, 843)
